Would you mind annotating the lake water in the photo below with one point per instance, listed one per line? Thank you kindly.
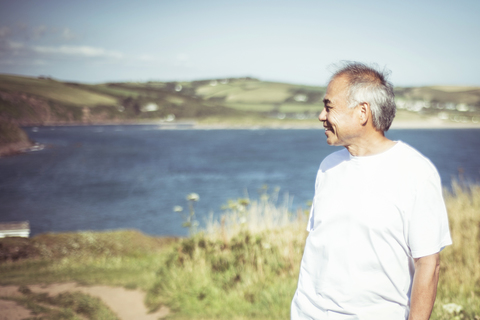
(112, 177)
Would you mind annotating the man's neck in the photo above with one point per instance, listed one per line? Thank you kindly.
(370, 145)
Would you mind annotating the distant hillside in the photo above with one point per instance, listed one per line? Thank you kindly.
(37, 101)
(268, 97)
(448, 103)
(442, 94)
(31, 101)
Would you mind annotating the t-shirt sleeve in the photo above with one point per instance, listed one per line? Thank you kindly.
(428, 230)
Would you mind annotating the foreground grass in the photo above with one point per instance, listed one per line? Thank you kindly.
(460, 263)
(121, 258)
(244, 266)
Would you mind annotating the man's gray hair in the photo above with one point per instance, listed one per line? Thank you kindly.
(368, 84)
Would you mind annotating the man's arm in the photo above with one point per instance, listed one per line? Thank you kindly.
(424, 289)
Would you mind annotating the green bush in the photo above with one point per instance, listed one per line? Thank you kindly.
(11, 133)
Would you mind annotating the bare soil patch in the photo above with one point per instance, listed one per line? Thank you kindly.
(12, 311)
(127, 304)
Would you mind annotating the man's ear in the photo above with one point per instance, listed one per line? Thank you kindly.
(364, 112)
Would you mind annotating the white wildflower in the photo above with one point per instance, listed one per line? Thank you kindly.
(193, 197)
(177, 209)
(452, 308)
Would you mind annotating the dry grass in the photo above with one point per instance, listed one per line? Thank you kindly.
(245, 266)
(244, 215)
(460, 266)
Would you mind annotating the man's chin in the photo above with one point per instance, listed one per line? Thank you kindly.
(331, 139)
(330, 143)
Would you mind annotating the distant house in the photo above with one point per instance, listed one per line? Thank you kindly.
(15, 229)
(149, 107)
(300, 97)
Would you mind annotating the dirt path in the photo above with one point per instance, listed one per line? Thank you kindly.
(127, 304)
(10, 310)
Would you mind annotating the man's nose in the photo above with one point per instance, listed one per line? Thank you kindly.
(323, 115)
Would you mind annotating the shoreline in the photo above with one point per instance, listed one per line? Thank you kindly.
(398, 125)
(22, 147)
(16, 148)
(194, 125)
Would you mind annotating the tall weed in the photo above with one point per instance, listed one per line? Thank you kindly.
(459, 283)
(244, 266)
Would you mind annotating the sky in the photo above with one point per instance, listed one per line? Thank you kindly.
(420, 42)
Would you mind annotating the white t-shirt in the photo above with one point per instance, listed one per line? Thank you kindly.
(370, 217)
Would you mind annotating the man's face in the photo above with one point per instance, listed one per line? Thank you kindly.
(339, 121)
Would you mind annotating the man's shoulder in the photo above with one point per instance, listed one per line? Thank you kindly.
(412, 159)
(334, 158)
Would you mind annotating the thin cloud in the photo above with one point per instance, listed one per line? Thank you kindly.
(27, 33)
(82, 51)
(12, 45)
(9, 49)
(68, 34)
(39, 31)
(38, 62)
(5, 32)
(183, 60)
(147, 58)
(183, 57)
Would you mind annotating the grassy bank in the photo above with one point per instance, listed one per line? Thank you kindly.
(244, 266)
(12, 139)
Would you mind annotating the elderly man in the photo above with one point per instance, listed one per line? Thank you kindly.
(378, 219)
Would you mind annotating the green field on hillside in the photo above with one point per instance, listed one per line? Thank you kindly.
(54, 90)
(33, 101)
(442, 94)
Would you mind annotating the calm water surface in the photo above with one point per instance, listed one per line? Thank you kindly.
(111, 177)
